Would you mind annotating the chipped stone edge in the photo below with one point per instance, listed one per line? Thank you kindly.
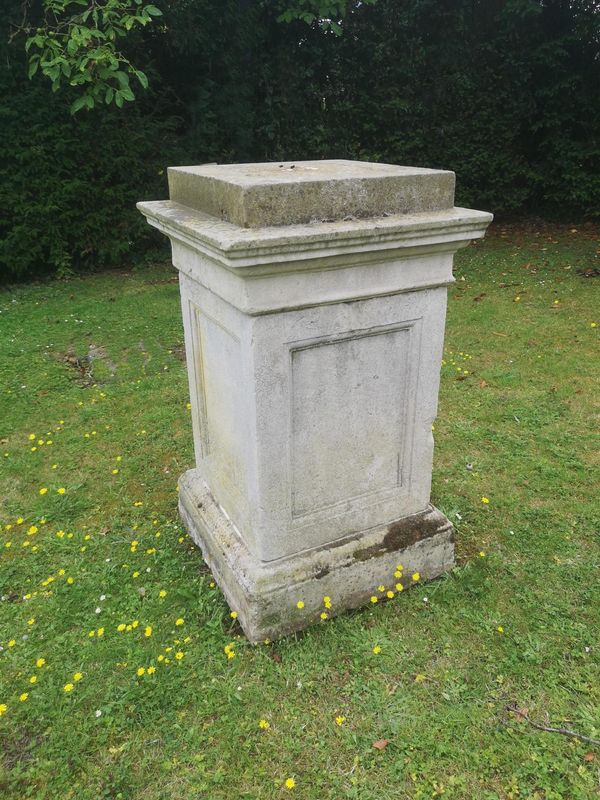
(265, 594)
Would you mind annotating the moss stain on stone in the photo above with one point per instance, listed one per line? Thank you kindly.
(400, 535)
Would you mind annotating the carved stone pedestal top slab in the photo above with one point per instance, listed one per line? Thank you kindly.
(291, 193)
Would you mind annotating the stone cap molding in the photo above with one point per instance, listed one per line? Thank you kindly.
(389, 228)
(278, 249)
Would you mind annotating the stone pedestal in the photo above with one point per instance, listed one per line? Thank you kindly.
(314, 298)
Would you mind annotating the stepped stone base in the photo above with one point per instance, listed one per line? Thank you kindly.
(349, 570)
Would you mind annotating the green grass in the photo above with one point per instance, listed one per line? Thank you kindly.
(523, 411)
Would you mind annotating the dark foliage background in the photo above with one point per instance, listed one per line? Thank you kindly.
(504, 92)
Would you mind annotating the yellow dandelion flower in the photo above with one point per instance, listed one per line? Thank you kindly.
(100, 632)
(40, 662)
(300, 604)
(231, 654)
(140, 671)
(31, 530)
(500, 629)
(31, 621)
(23, 697)
(91, 634)
(33, 679)
(11, 643)
(381, 588)
(416, 576)
(121, 627)
(374, 599)
(77, 677)
(377, 649)
(481, 554)
(148, 630)
(68, 687)
(263, 724)
(162, 593)
(389, 594)
(62, 490)
(340, 720)
(31, 437)
(399, 587)
(233, 614)
(399, 567)
(151, 670)
(20, 521)
(135, 623)
(324, 615)
(179, 655)
(485, 500)
(115, 471)
(3, 708)
(290, 783)
(70, 580)
(43, 490)
(179, 621)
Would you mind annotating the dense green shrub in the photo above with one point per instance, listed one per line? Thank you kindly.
(505, 92)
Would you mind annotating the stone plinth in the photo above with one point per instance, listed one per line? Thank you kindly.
(313, 297)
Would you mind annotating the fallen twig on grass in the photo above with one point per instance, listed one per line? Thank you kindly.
(564, 731)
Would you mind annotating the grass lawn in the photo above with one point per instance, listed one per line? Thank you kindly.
(114, 680)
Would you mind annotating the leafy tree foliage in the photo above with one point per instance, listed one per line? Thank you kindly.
(505, 92)
(76, 43)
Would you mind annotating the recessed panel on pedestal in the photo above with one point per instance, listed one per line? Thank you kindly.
(349, 406)
(218, 367)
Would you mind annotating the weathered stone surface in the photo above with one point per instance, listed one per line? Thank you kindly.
(288, 193)
(349, 571)
(313, 354)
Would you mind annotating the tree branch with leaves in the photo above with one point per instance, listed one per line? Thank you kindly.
(81, 43)
(78, 45)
